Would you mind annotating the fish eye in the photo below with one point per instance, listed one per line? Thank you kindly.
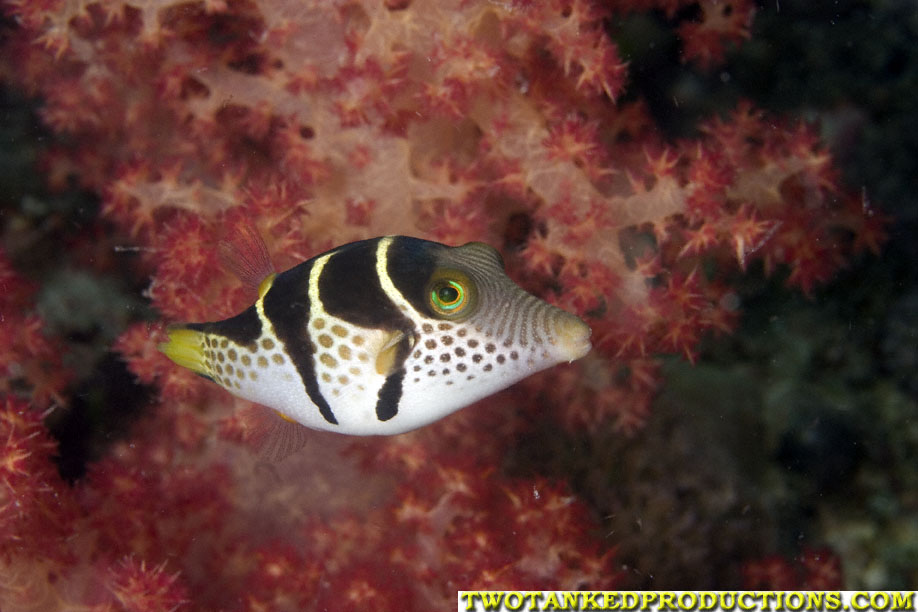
(450, 294)
(447, 296)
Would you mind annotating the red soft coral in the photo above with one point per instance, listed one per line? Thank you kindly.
(31, 361)
(325, 122)
(37, 511)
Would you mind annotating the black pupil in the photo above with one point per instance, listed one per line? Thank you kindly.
(447, 294)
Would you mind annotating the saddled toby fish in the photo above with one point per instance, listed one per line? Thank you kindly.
(381, 336)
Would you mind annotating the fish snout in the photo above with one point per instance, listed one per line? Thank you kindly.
(572, 336)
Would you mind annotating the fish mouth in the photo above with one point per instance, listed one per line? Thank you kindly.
(573, 337)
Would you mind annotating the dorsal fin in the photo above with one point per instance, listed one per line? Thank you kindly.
(242, 250)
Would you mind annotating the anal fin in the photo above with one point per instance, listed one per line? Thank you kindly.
(284, 438)
(272, 435)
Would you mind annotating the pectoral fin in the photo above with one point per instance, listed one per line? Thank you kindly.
(389, 363)
(393, 352)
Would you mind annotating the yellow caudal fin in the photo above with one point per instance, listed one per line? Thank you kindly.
(186, 348)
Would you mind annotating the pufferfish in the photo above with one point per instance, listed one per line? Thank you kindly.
(381, 336)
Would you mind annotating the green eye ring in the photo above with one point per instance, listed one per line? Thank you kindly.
(451, 295)
(448, 296)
